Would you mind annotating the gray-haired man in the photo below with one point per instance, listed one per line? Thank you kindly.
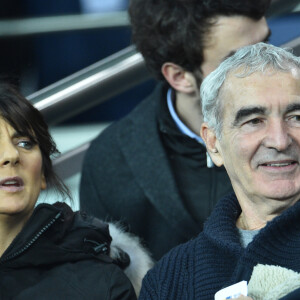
(251, 109)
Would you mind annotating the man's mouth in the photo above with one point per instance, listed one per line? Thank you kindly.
(279, 167)
(279, 164)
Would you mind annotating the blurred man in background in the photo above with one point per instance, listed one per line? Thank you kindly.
(151, 169)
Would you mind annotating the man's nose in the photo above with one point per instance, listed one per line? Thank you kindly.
(277, 136)
(9, 155)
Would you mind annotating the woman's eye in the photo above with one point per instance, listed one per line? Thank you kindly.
(26, 144)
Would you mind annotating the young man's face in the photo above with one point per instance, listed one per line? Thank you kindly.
(227, 35)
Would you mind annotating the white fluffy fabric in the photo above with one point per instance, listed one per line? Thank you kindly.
(272, 282)
(140, 258)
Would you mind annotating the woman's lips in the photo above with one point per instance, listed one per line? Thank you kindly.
(12, 184)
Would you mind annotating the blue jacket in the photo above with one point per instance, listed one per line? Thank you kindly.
(216, 259)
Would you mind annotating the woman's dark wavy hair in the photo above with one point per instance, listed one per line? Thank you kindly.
(174, 30)
(28, 121)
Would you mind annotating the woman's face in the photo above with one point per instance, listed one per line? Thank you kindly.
(21, 174)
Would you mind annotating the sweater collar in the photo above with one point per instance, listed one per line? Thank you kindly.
(221, 227)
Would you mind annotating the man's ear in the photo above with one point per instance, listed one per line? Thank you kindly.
(212, 144)
(179, 79)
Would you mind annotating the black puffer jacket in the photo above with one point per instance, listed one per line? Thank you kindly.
(62, 255)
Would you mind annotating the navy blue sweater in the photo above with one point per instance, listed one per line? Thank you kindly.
(216, 259)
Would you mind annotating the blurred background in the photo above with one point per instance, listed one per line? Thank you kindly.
(74, 60)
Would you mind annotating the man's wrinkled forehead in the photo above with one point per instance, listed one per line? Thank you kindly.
(235, 76)
(237, 89)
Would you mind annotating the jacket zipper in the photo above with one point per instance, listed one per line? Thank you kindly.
(32, 241)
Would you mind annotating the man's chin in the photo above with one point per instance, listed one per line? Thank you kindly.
(283, 195)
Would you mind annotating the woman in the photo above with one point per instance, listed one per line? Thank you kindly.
(47, 252)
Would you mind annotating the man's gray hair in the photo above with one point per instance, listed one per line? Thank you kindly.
(246, 61)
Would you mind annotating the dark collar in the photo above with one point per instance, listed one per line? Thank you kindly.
(176, 141)
(141, 139)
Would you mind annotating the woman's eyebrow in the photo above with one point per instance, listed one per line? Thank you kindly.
(18, 134)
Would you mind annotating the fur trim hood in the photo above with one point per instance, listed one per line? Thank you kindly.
(129, 253)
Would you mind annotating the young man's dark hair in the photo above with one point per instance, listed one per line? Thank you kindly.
(176, 31)
(151, 169)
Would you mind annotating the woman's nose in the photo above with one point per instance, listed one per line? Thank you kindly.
(9, 155)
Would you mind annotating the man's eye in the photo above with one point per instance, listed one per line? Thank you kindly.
(255, 121)
(26, 144)
(295, 119)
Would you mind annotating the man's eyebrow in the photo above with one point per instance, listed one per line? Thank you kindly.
(246, 112)
(292, 107)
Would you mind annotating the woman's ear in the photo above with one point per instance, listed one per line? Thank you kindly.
(179, 79)
(43, 182)
(212, 144)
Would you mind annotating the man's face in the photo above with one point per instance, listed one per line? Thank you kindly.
(227, 35)
(260, 138)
